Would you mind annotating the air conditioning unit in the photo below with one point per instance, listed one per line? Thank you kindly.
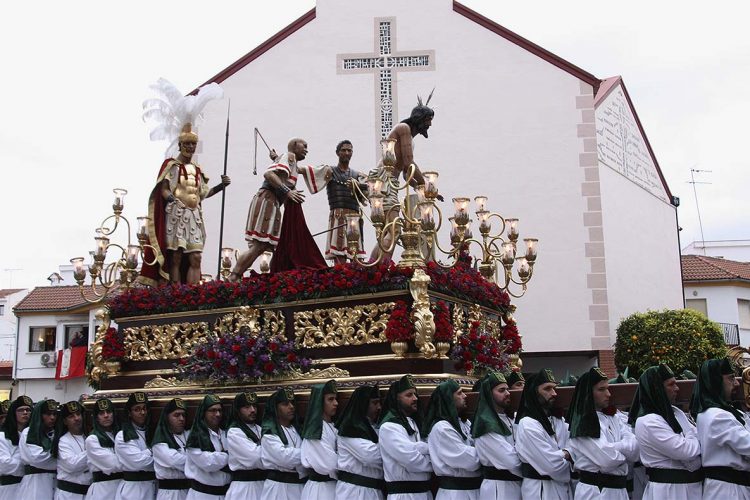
(48, 360)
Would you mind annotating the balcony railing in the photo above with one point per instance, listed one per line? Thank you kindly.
(731, 333)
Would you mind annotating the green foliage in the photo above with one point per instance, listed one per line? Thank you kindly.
(680, 338)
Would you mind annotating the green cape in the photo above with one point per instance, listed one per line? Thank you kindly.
(162, 433)
(582, 417)
(104, 440)
(652, 398)
(443, 407)
(709, 391)
(128, 429)
(66, 410)
(392, 411)
(36, 435)
(235, 420)
(200, 436)
(352, 422)
(10, 426)
(270, 423)
(313, 428)
(486, 419)
(529, 405)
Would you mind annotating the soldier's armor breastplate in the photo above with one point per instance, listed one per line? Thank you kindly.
(188, 189)
(339, 193)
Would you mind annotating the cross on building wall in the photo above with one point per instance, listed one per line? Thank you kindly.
(384, 64)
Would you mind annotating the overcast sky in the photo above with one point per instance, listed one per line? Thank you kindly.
(74, 75)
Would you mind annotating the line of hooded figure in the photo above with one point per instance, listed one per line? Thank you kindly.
(594, 451)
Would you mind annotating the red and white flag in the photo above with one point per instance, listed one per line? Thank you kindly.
(71, 363)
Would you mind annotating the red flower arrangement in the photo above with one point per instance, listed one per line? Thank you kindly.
(479, 351)
(512, 338)
(442, 316)
(113, 348)
(399, 327)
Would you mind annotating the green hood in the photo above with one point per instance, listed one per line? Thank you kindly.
(352, 422)
(200, 436)
(162, 433)
(235, 421)
(36, 434)
(270, 421)
(530, 406)
(652, 398)
(10, 426)
(128, 429)
(66, 410)
(104, 440)
(582, 417)
(514, 377)
(486, 419)
(313, 428)
(442, 407)
(392, 411)
(708, 392)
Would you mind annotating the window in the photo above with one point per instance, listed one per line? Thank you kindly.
(42, 339)
(76, 336)
(744, 313)
(2, 309)
(698, 305)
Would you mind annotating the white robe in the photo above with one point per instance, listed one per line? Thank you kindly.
(662, 448)
(169, 463)
(359, 456)
(542, 451)
(134, 456)
(405, 458)
(10, 465)
(453, 456)
(321, 456)
(724, 442)
(495, 450)
(205, 466)
(72, 465)
(608, 454)
(104, 460)
(244, 454)
(284, 458)
(36, 485)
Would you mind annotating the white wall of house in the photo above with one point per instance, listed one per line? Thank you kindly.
(722, 304)
(738, 250)
(8, 324)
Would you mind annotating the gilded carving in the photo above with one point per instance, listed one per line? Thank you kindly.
(274, 322)
(746, 385)
(459, 321)
(424, 322)
(171, 341)
(326, 373)
(163, 383)
(99, 368)
(339, 326)
(244, 317)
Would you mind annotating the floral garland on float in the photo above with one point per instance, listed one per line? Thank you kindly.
(479, 351)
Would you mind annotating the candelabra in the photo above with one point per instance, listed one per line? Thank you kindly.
(123, 270)
(264, 261)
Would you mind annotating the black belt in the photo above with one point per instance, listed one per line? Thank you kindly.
(208, 489)
(499, 474)
(673, 476)
(139, 475)
(249, 475)
(530, 472)
(396, 487)
(285, 477)
(78, 489)
(8, 480)
(30, 469)
(173, 484)
(459, 483)
(602, 480)
(99, 476)
(728, 475)
(320, 478)
(360, 480)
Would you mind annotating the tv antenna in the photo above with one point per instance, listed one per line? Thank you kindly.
(692, 181)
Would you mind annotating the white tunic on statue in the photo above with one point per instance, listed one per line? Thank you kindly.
(608, 454)
(662, 448)
(72, 465)
(10, 465)
(37, 485)
(362, 457)
(135, 456)
(244, 454)
(283, 458)
(453, 456)
(405, 458)
(321, 455)
(170, 464)
(102, 460)
(724, 442)
(542, 451)
(205, 466)
(498, 451)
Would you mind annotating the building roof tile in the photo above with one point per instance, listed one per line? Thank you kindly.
(703, 268)
(54, 298)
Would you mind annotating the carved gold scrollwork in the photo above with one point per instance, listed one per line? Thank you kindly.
(171, 341)
(244, 317)
(475, 313)
(96, 348)
(424, 322)
(341, 326)
(274, 323)
(746, 385)
(163, 383)
(459, 321)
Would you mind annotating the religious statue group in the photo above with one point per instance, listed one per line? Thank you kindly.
(275, 220)
(376, 448)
